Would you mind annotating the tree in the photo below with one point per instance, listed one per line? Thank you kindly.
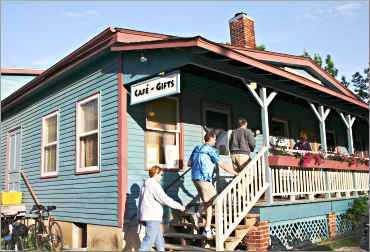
(330, 66)
(261, 47)
(361, 85)
(306, 54)
(329, 63)
(317, 58)
(344, 81)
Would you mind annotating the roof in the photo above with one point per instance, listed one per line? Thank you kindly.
(269, 56)
(21, 71)
(238, 56)
(119, 39)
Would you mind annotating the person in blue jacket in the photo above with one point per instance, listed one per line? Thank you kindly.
(202, 161)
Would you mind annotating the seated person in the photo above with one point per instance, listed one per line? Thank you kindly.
(303, 143)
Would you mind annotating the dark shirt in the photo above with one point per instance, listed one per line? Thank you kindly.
(302, 146)
(242, 141)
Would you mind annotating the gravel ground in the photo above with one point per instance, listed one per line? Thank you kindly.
(352, 249)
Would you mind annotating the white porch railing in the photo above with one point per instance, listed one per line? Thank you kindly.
(300, 181)
(238, 198)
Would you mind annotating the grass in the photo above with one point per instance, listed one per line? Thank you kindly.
(349, 241)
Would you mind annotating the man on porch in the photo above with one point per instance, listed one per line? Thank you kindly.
(242, 142)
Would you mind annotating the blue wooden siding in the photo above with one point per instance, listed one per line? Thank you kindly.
(194, 91)
(88, 198)
(295, 210)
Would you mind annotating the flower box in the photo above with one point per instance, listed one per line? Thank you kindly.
(280, 160)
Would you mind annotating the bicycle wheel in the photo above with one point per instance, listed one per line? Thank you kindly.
(55, 236)
(40, 233)
(31, 238)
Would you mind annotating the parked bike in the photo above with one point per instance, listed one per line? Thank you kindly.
(45, 237)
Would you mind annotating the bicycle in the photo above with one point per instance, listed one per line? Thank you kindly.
(13, 231)
(44, 237)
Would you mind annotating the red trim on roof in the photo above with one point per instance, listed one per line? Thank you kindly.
(293, 59)
(142, 33)
(154, 45)
(235, 55)
(21, 71)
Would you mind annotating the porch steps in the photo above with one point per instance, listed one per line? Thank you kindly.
(232, 211)
(184, 235)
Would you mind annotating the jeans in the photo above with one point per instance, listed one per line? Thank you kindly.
(152, 236)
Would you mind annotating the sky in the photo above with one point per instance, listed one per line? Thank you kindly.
(38, 34)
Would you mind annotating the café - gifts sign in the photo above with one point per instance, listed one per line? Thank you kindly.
(155, 88)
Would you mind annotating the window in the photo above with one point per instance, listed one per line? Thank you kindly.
(14, 142)
(330, 140)
(88, 122)
(279, 128)
(217, 119)
(162, 133)
(279, 133)
(50, 142)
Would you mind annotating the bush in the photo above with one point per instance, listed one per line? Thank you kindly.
(358, 214)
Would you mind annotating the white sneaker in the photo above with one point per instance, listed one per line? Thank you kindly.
(209, 233)
(195, 217)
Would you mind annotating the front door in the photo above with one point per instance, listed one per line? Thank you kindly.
(14, 159)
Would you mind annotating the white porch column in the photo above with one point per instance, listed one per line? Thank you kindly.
(321, 116)
(264, 102)
(348, 121)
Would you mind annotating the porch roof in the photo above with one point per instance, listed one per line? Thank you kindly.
(245, 67)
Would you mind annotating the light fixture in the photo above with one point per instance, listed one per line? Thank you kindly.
(252, 85)
(143, 59)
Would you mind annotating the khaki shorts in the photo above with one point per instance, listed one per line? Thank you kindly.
(206, 190)
(240, 161)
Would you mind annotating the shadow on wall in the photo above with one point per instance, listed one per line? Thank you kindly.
(131, 235)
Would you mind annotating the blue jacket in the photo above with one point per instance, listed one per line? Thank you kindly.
(203, 160)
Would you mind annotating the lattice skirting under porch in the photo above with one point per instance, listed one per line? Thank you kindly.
(343, 225)
(292, 233)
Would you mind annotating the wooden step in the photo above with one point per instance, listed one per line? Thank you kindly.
(186, 224)
(186, 236)
(177, 247)
(253, 215)
(232, 239)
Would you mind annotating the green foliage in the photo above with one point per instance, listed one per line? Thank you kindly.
(329, 63)
(361, 84)
(317, 58)
(330, 68)
(261, 47)
(306, 54)
(344, 81)
(359, 210)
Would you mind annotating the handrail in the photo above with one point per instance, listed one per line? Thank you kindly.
(177, 179)
(239, 197)
(242, 173)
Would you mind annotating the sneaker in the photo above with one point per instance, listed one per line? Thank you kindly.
(195, 219)
(209, 233)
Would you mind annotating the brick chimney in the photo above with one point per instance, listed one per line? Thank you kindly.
(242, 31)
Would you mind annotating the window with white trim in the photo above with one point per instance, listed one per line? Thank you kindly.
(87, 134)
(162, 133)
(50, 144)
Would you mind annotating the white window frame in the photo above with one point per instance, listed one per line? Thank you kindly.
(177, 134)
(45, 174)
(90, 169)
